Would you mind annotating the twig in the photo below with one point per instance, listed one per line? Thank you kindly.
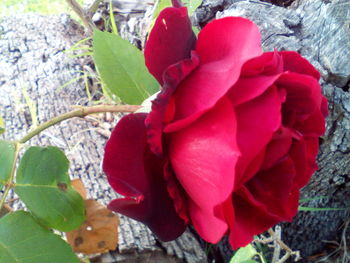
(80, 112)
(9, 182)
(280, 243)
(92, 9)
(84, 16)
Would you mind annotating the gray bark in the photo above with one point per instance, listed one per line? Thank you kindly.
(33, 58)
(319, 30)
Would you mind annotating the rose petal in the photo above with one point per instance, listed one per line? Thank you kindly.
(176, 192)
(249, 88)
(278, 147)
(295, 63)
(134, 171)
(257, 75)
(266, 188)
(314, 125)
(269, 63)
(171, 40)
(303, 96)
(204, 156)
(263, 203)
(251, 220)
(324, 106)
(257, 120)
(161, 106)
(303, 153)
(222, 55)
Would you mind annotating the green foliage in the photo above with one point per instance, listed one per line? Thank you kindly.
(192, 5)
(7, 155)
(111, 15)
(23, 240)
(244, 255)
(317, 209)
(8, 7)
(122, 68)
(44, 186)
(2, 126)
(32, 107)
(160, 6)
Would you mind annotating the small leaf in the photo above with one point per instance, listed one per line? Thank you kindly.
(2, 126)
(244, 254)
(98, 234)
(192, 5)
(7, 155)
(5, 210)
(122, 68)
(23, 240)
(44, 186)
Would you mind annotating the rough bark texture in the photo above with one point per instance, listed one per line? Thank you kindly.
(319, 30)
(33, 60)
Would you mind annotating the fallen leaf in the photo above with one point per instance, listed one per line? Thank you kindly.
(78, 186)
(4, 210)
(98, 234)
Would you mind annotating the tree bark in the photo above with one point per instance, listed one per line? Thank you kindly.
(34, 60)
(319, 30)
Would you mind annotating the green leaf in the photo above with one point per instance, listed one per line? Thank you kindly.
(244, 255)
(7, 155)
(192, 5)
(2, 126)
(161, 5)
(43, 184)
(23, 240)
(122, 68)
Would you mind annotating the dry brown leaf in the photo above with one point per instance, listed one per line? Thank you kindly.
(99, 233)
(78, 186)
(4, 210)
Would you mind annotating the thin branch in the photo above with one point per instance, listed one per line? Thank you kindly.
(93, 7)
(84, 16)
(80, 112)
(9, 183)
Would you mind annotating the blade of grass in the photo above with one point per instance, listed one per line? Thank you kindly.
(312, 198)
(111, 15)
(315, 209)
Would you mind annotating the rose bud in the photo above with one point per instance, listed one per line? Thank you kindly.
(230, 140)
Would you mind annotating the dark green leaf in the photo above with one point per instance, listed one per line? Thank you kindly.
(122, 68)
(23, 240)
(7, 155)
(43, 185)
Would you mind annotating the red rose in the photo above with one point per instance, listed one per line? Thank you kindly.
(231, 138)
